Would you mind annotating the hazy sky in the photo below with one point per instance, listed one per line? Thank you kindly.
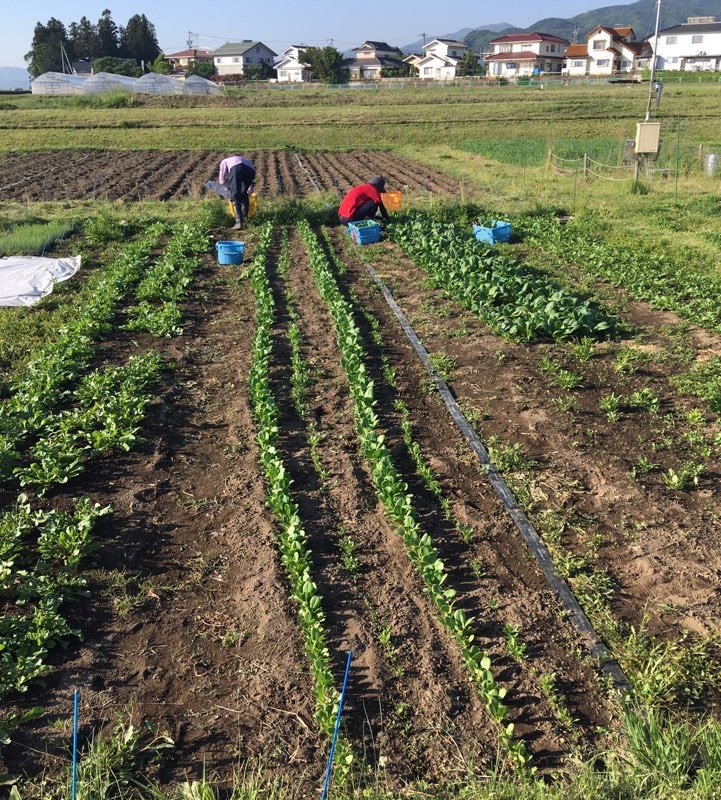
(279, 23)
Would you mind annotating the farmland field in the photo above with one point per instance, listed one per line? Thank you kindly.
(491, 472)
(175, 174)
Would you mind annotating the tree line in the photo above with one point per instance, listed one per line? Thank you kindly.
(112, 47)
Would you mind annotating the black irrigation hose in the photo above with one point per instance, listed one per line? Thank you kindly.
(565, 596)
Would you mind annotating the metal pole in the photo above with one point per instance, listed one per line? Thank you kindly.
(76, 702)
(678, 147)
(575, 187)
(653, 62)
(337, 726)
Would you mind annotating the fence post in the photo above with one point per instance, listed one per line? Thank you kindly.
(585, 165)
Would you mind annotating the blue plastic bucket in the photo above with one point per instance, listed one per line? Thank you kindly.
(230, 252)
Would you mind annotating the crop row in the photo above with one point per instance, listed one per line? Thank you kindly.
(514, 301)
(44, 381)
(292, 539)
(644, 272)
(398, 503)
(166, 284)
(41, 550)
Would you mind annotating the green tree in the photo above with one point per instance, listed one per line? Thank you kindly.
(326, 63)
(205, 69)
(85, 39)
(108, 35)
(397, 72)
(469, 64)
(161, 65)
(117, 66)
(138, 39)
(45, 54)
(258, 72)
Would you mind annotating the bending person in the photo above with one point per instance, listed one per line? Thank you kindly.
(363, 202)
(237, 174)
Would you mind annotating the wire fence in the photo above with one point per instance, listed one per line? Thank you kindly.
(588, 167)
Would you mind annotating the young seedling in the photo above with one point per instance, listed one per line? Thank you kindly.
(348, 553)
(566, 402)
(646, 399)
(443, 365)
(611, 404)
(583, 350)
(516, 647)
(566, 379)
(548, 686)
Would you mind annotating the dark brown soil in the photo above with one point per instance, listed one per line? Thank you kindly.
(660, 545)
(174, 174)
(189, 622)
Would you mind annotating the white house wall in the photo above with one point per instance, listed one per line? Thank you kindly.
(230, 64)
(576, 67)
(674, 54)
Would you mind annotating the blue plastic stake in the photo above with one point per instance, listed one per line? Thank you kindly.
(76, 703)
(337, 726)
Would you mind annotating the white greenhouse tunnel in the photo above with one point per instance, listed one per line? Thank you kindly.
(57, 83)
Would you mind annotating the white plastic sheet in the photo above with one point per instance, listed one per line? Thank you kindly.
(25, 280)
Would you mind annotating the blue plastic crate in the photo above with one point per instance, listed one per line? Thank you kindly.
(498, 232)
(366, 232)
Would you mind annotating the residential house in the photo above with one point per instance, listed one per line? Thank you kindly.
(413, 60)
(693, 46)
(290, 67)
(526, 54)
(607, 51)
(373, 57)
(441, 58)
(233, 58)
(182, 58)
(82, 67)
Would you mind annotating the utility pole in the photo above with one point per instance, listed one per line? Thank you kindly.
(64, 60)
(189, 40)
(651, 82)
(424, 38)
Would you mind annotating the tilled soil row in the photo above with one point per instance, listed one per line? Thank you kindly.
(659, 546)
(188, 624)
(406, 684)
(175, 174)
(497, 580)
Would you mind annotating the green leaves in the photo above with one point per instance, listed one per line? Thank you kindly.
(393, 491)
(37, 581)
(295, 553)
(512, 300)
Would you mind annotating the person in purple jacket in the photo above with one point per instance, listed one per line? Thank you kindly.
(237, 174)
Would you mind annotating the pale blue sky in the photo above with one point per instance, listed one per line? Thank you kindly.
(280, 23)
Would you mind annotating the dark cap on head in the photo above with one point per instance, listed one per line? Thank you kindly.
(378, 182)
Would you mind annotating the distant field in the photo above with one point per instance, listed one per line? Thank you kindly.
(336, 119)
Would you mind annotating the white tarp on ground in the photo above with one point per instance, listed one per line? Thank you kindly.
(25, 280)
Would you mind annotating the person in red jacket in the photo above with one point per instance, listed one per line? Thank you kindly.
(363, 202)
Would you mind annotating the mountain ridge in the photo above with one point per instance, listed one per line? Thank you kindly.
(14, 78)
(641, 16)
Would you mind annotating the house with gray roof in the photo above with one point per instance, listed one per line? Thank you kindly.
(693, 46)
(372, 57)
(232, 58)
